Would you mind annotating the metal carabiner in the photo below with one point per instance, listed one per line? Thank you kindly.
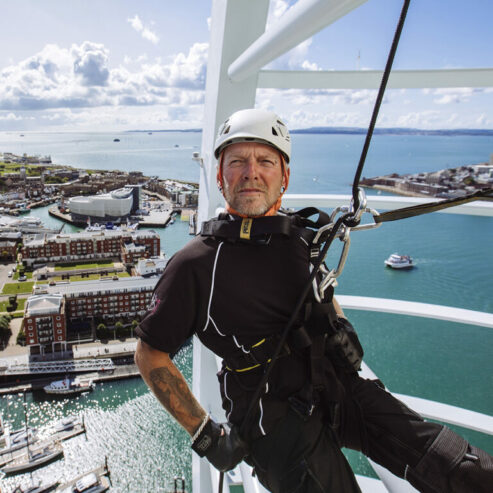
(373, 225)
(329, 277)
(356, 214)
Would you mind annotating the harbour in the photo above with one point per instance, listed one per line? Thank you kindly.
(125, 422)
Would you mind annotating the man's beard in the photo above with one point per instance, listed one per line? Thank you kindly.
(250, 206)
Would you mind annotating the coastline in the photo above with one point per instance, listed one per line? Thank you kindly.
(397, 191)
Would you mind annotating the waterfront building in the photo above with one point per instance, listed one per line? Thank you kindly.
(44, 323)
(106, 299)
(89, 245)
(59, 314)
(8, 250)
(113, 206)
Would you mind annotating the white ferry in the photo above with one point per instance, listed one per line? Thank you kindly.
(69, 386)
(396, 261)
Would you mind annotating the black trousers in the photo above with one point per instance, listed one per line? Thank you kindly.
(302, 454)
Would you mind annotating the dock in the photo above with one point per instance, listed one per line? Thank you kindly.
(119, 372)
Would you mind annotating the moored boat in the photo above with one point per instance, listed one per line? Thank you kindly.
(396, 261)
(11, 441)
(95, 481)
(69, 386)
(32, 459)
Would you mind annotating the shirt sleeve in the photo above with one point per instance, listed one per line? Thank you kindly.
(174, 312)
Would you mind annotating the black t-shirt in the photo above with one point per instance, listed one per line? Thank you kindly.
(231, 295)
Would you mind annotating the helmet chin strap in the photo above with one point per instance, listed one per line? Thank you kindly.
(272, 211)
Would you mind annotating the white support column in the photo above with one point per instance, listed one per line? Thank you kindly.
(235, 25)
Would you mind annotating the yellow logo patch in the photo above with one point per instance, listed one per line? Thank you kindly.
(246, 227)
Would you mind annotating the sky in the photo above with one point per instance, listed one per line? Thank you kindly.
(92, 65)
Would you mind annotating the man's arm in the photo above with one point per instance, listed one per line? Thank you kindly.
(224, 448)
(169, 386)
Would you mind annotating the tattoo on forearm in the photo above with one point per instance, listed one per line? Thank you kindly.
(173, 393)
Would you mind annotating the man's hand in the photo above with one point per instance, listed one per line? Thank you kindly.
(221, 444)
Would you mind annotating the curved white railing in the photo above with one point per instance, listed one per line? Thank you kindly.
(205, 387)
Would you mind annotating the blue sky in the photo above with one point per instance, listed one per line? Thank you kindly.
(121, 64)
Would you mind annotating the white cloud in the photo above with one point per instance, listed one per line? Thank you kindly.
(10, 117)
(277, 9)
(91, 63)
(80, 77)
(307, 119)
(144, 31)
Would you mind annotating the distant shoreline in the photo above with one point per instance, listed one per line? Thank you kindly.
(360, 131)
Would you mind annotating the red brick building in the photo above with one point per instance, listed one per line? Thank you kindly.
(44, 323)
(89, 245)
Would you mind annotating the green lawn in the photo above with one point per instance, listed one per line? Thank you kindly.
(20, 305)
(15, 277)
(25, 287)
(103, 263)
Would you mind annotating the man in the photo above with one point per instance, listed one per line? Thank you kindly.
(235, 286)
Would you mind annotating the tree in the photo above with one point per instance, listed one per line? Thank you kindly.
(119, 329)
(5, 322)
(21, 338)
(101, 331)
(135, 324)
(13, 302)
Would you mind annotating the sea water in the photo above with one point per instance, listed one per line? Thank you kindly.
(443, 361)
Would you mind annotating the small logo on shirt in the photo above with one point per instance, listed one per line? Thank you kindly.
(154, 304)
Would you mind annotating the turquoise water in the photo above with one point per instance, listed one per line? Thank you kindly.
(448, 362)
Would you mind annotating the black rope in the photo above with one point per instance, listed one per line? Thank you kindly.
(352, 221)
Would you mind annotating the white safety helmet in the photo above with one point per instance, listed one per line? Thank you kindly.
(254, 125)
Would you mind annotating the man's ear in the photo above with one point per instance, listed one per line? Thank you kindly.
(285, 177)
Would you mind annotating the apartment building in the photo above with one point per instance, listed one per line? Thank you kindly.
(105, 299)
(44, 323)
(88, 245)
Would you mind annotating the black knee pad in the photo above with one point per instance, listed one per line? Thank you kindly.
(451, 465)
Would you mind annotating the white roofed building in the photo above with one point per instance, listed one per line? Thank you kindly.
(106, 299)
(150, 266)
(112, 206)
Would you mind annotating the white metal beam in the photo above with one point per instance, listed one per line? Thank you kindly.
(300, 22)
(440, 312)
(382, 202)
(446, 413)
(449, 414)
(371, 79)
